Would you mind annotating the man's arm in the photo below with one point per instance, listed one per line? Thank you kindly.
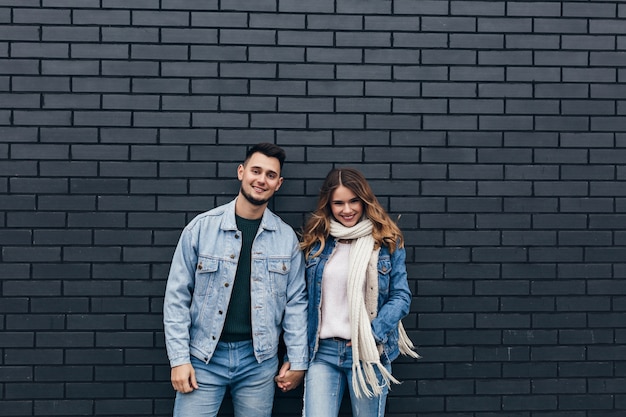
(295, 318)
(177, 301)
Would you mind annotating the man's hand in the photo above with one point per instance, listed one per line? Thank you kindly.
(184, 378)
(288, 379)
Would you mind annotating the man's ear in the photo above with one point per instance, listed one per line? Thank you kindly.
(240, 170)
(280, 182)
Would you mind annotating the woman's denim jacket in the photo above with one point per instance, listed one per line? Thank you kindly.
(394, 297)
(201, 279)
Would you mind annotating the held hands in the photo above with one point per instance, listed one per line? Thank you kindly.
(288, 379)
(184, 378)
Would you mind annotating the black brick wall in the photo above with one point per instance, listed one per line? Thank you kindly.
(496, 129)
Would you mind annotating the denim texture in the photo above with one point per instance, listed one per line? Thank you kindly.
(234, 367)
(200, 283)
(329, 374)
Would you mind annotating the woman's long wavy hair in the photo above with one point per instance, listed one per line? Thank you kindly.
(317, 228)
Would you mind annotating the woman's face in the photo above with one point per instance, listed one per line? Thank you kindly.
(346, 207)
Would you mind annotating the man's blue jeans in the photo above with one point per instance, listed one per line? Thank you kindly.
(326, 381)
(232, 366)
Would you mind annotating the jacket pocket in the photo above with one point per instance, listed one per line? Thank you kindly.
(384, 271)
(279, 273)
(206, 270)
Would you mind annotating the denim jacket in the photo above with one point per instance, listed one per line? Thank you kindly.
(394, 297)
(201, 280)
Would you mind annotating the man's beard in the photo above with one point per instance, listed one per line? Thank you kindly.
(252, 200)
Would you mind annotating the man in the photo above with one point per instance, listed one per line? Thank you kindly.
(236, 281)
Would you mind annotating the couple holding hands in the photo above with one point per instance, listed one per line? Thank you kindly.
(240, 279)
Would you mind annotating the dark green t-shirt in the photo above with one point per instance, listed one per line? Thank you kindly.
(238, 325)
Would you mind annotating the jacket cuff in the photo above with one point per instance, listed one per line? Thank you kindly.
(298, 366)
(179, 360)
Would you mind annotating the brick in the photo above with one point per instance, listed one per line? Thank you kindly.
(69, 407)
(98, 186)
(187, 36)
(101, 17)
(25, 33)
(189, 4)
(96, 84)
(41, 16)
(128, 135)
(584, 140)
(32, 356)
(99, 118)
(95, 390)
(158, 51)
(57, 271)
(33, 391)
(279, 20)
(53, 84)
(129, 34)
(68, 169)
(248, 36)
(64, 339)
(91, 254)
(222, 19)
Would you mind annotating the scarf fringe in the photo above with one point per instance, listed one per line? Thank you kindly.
(365, 381)
(404, 343)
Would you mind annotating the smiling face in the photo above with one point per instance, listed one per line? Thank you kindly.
(260, 179)
(345, 206)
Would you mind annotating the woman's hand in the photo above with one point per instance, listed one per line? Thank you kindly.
(288, 379)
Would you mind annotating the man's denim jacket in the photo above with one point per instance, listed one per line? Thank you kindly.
(201, 279)
(394, 297)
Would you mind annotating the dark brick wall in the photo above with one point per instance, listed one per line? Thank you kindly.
(496, 129)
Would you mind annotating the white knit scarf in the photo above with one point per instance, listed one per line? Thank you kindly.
(363, 269)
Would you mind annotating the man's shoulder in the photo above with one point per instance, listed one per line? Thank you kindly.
(214, 214)
(279, 223)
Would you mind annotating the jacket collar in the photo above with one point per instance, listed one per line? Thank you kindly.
(269, 221)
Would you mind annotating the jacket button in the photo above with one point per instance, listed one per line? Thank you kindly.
(232, 256)
(227, 284)
(284, 267)
(237, 236)
(200, 266)
(220, 312)
(384, 269)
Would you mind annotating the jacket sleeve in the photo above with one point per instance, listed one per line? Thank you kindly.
(295, 319)
(398, 302)
(177, 301)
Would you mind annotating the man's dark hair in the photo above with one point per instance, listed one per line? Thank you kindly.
(268, 149)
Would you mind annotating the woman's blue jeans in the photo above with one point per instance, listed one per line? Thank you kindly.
(327, 378)
(233, 366)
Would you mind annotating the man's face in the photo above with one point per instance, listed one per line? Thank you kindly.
(260, 178)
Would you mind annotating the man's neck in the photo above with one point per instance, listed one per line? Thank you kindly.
(247, 210)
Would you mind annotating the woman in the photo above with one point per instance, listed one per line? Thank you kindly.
(358, 293)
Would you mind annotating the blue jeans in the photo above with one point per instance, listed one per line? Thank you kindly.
(326, 381)
(232, 366)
